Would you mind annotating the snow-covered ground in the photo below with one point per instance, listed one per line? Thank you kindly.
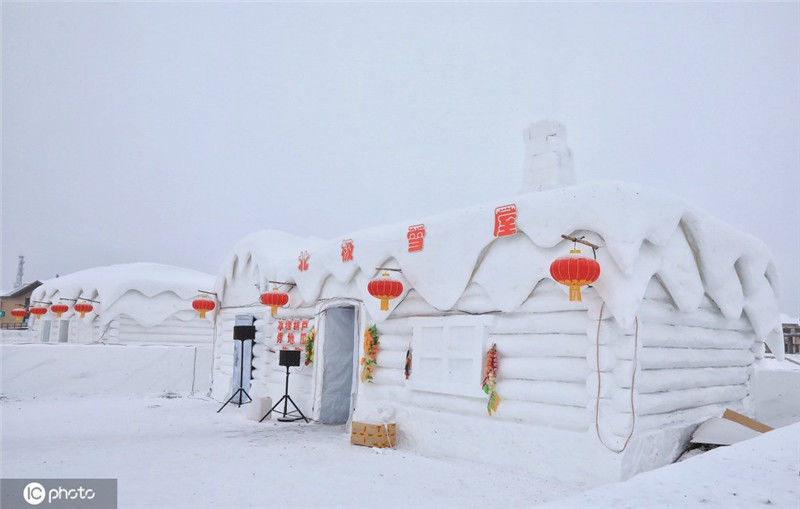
(179, 453)
(761, 472)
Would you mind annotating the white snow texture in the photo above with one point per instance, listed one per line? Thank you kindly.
(644, 233)
(152, 292)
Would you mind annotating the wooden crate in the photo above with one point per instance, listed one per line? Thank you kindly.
(373, 435)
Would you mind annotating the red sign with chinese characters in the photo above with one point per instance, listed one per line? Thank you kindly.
(505, 220)
(285, 336)
(416, 237)
(347, 250)
(303, 259)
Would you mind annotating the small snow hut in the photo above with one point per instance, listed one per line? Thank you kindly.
(136, 303)
(683, 302)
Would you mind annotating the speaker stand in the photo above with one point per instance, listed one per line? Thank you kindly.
(240, 391)
(287, 416)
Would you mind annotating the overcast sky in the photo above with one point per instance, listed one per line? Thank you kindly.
(165, 132)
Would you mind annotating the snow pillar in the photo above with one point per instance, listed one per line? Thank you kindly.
(548, 160)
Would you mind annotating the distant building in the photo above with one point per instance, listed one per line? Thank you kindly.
(141, 303)
(18, 297)
(791, 334)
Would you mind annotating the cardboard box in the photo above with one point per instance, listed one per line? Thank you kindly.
(373, 435)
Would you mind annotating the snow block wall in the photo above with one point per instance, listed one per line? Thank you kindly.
(64, 371)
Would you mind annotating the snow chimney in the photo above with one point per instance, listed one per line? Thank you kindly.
(548, 160)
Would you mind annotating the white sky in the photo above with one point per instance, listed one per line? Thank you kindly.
(165, 132)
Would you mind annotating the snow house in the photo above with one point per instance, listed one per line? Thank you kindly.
(136, 303)
(595, 389)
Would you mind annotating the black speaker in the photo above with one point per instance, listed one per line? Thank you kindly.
(244, 332)
(289, 358)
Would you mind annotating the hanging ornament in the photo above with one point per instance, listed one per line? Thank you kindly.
(490, 379)
(310, 346)
(274, 300)
(407, 369)
(59, 309)
(201, 305)
(38, 311)
(385, 288)
(369, 360)
(85, 307)
(575, 271)
(19, 313)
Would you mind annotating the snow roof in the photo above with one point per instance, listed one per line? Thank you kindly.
(21, 290)
(107, 284)
(644, 232)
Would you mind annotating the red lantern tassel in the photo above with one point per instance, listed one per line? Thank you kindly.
(575, 293)
(384, 304)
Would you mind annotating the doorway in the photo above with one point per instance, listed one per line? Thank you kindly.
(46, 330)
(63, 331)
(338, 346)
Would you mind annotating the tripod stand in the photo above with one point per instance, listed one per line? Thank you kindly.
(240, 391)
(287, 358)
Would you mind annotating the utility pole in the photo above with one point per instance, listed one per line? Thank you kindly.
(20, 270)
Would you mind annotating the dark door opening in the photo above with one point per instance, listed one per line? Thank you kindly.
(337, 374)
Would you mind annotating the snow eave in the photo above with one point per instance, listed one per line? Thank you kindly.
(108, 284)
(644, 233)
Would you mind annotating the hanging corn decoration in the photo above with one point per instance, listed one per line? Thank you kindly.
(368, 362)
(310, 346)
(490, 379)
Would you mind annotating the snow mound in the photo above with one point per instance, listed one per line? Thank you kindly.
(644, 233)
(758, 472)
(141, 283)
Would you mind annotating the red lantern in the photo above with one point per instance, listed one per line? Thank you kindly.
(38, 311)
(19, 313)
(385, 288)
(575, 271)
(274, 299)
(83, 308)
(203, 306)
(59, 309)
